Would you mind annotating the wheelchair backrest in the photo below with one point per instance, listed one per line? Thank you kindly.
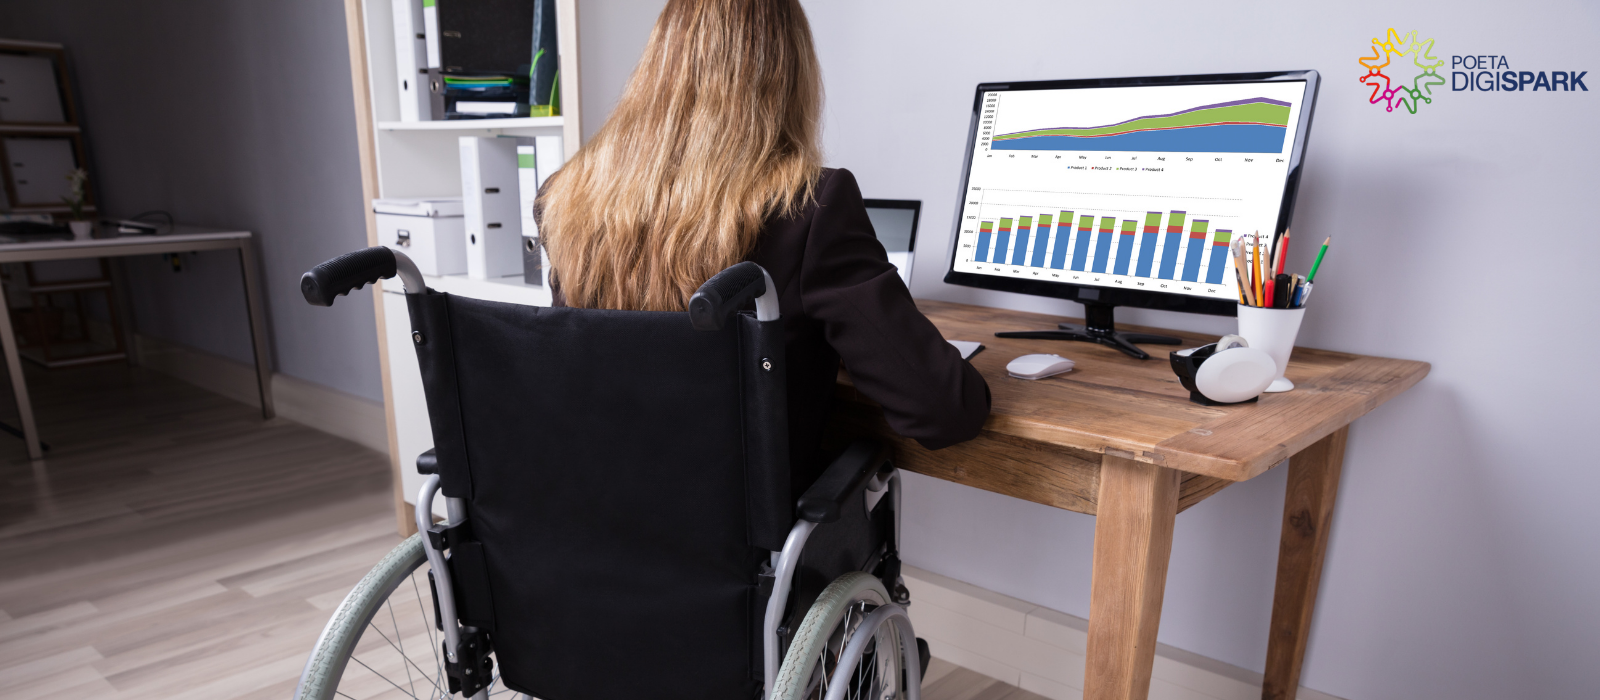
(626, 475)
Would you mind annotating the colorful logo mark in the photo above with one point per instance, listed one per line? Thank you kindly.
(1390, 55)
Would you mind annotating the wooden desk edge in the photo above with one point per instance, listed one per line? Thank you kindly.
(1180, 452)
(1185, 452)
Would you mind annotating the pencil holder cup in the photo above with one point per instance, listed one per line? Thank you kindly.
(1272, 331)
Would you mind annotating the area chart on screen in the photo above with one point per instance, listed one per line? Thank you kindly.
(1252, 125)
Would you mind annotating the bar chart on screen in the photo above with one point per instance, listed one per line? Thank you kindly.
(1172, 243)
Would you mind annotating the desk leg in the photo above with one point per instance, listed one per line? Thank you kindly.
(1307, 514)
(123, 309)
(1132, 541)
(258, 325)
(19, 385)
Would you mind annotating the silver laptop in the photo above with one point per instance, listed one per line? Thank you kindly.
(895, 222)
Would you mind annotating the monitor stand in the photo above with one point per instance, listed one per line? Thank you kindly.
(1099, 327)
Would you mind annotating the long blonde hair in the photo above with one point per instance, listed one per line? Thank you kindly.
(716, 131)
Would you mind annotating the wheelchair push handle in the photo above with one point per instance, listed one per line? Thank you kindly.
(351, 271)
(722, 295)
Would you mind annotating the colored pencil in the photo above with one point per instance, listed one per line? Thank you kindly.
(1283, 252)
(1244, 287)
(1232, 253)
(1237, 249)
(1272, 277)
(1312, 275)
(1248, 271)
(1280, 251)
(1260, 273)
(1233, 250)
(1251, 276)
(1264, 275)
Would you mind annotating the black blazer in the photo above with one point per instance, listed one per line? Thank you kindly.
(841, 299)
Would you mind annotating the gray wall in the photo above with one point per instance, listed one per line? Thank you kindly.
(1464, 562)
(611, 35)
(235, 114)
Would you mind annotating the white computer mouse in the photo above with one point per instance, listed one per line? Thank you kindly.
(1038, 366)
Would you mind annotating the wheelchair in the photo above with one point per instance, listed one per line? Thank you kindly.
(618, 515)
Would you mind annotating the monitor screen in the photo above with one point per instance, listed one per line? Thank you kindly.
(1140, 187)
(894, 221)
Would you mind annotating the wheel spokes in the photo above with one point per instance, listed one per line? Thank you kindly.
(377, 675)
(876, 675)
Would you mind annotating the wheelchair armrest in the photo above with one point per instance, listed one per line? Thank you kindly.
(428, 462)
(824, 501)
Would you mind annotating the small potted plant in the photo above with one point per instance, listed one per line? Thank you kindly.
(80, 224)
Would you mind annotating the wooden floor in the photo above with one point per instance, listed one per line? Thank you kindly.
(947, 681)
(173, 545)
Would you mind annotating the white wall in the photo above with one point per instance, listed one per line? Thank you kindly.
(234, 114)
(1464, 562)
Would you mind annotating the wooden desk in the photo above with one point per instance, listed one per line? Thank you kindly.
(1117, 438)
(181, 239)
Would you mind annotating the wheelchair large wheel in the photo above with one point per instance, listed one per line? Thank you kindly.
(813, 656)
(381, 642)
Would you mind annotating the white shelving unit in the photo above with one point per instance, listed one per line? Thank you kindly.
(422, 159)
(512, 125)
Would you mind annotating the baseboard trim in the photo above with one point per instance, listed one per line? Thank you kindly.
(329, 410)
(1042, 650)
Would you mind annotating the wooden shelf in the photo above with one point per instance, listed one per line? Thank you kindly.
(476, 124)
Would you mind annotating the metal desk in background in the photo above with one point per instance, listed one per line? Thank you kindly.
(181, 239)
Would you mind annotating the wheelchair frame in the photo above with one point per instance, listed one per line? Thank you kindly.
(341, 275)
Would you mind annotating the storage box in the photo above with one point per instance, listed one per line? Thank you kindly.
(430, 231)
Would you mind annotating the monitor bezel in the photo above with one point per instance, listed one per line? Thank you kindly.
(1168, 301)
(915, 205)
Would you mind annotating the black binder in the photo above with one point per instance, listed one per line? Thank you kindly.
(545, 89)
(515, 40)
(486, 37)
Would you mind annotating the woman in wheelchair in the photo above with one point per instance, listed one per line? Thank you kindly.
(638, 501)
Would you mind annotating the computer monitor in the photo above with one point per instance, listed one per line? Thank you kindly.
(1127, 191)
(894, 221)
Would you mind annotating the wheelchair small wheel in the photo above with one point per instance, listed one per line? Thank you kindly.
(382, 642)
(813, 656)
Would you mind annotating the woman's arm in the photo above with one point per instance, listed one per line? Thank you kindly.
(894, 354)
